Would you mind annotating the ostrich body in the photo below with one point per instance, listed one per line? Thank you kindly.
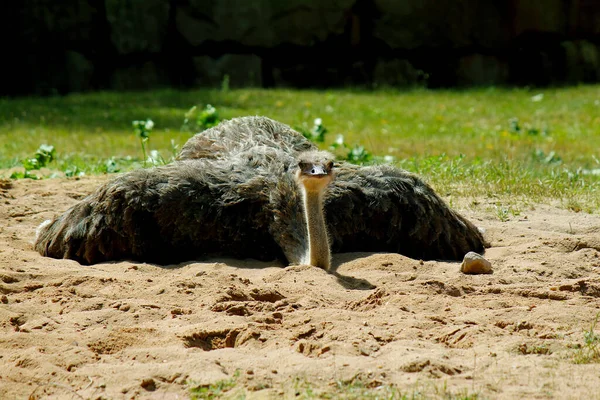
(241, 189)
(192, 208)
(372, 208)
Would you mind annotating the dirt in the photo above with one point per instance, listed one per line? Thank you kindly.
(134, 330)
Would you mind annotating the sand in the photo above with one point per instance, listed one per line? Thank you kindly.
(135, 330)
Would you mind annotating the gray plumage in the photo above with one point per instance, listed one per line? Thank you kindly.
(373, 208)
(232, 192)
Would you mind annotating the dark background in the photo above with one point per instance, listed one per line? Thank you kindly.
(57, 47)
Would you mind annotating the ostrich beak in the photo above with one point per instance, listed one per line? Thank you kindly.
(317, 171)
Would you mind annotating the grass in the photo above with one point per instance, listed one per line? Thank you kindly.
(300, 388)
(535, 145)
(589, 352)
(220, 389)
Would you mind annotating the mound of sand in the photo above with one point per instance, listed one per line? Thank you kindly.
(127, 330)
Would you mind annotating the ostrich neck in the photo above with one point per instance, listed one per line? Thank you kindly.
(318, 241)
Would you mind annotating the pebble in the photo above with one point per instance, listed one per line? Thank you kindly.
(474, 263)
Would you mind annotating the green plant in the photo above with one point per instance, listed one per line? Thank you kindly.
(316, 133)
(516, 128)
(142, 129)
(43, 156)
(187, 118)
(73, 171)
(216, 390)
(504, 213)
(225, 83)
(356, 154)
(110, 166)
(589, 352)
(208, 118)
(550, 158)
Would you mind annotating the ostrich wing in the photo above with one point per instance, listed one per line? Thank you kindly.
(165, 215)
(381, 208)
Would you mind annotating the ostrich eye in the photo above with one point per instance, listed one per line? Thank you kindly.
(329, 165)
(303, 166)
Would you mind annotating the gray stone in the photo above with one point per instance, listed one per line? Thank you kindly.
(261, 23)
(242, 70)
(137, 25)
(474, 263)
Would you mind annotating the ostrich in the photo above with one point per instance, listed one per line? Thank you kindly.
(314, 174)
(196, 207)
(372, 208)
(253, 187)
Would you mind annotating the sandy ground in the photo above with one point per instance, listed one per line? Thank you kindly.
(131, 330)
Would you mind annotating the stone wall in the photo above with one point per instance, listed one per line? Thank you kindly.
(79, 45)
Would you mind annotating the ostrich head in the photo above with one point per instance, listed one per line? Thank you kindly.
(315, 170)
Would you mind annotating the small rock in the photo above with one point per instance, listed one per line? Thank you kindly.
(4, 299)
(474, 263)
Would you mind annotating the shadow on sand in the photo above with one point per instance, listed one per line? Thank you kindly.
(348, 282)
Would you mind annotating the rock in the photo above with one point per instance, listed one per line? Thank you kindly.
(137, 25)
(474, 263)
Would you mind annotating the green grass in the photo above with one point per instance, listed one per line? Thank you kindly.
(589, 352)
(496, 143)
(220, 389)
(300, 388)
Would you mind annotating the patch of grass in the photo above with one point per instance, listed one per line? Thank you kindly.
(226, 388)
(527, 349)
(142, 130)
(589, 352)
(482, 142)
(316, 133)
(505, 213)
(355, 389)
(42, 157)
